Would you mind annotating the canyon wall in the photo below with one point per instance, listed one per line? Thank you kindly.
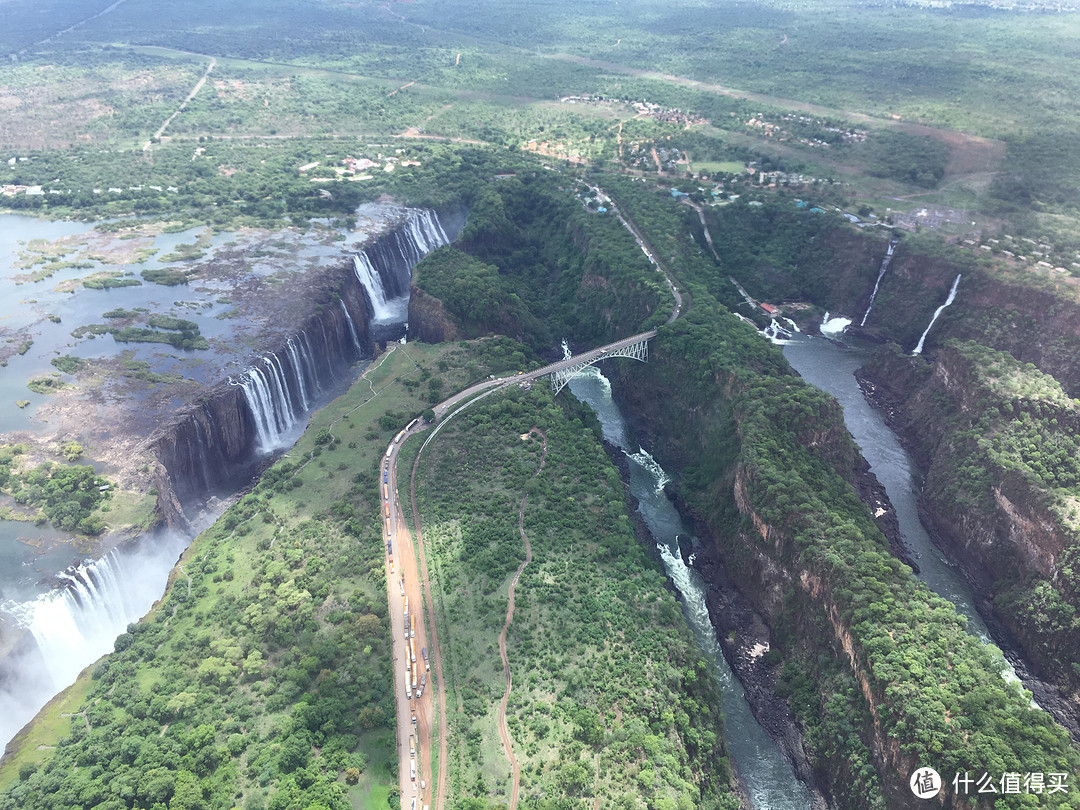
(997, 442)
(219, 441)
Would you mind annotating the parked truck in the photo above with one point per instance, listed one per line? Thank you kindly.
(423, 683)
(412, 650)
(408, 687)
(412, 746)
(423, 652)
(412, 626)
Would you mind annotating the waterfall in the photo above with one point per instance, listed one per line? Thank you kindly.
(294, 357)
(369, 279)
(385, 267)
(776, 333)
(793, 325)
(880, 275)
(80, 620)
(266, 392)
(352, 331)
(830, 327)
(948, 301)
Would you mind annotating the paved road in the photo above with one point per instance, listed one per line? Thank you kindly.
(404, 578)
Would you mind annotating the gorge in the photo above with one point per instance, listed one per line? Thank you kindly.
(211, 446)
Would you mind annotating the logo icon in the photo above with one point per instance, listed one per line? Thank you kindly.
(925, 783)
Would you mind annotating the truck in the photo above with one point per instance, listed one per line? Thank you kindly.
(406, 607)
(389, 450)
(423, 652)
(412, 746)
(385, 477)
(414, 682)
(412, 769)
(423, 683)
(408, 687)
(412, 650)
(385, 492)
(412, 627)
(386, 507)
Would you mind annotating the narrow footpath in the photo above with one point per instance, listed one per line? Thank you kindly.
(504, 733)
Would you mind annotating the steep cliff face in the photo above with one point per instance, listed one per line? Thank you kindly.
(767, 472)
(997, 441)
(1032, 315)
(219, 441)
(428, 319)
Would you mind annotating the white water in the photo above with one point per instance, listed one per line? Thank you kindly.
(382, 310)
(777, 334)
(937, 312)
(352, 330)
(833, 327)
(880, 275)
(769, 779)
(420, 234)
(267, 394)
(78, 623)
(294, 357)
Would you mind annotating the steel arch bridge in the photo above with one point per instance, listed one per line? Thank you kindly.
(635, 351)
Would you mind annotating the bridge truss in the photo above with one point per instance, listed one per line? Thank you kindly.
(635, 351)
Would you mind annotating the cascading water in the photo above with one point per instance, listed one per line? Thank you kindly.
(352, 330)
(834, 327)
(768, 777)
(294, 357)
(266, 392)
(384, 267)
(937, 312)
(79, 622)
(880, 275)
(381, 310)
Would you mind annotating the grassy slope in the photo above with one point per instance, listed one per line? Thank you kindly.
(285, 609)
(611, 698)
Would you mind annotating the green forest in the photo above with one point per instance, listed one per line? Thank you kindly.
(774, 145)
(612, 700)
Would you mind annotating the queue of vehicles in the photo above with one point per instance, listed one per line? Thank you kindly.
(411, 686)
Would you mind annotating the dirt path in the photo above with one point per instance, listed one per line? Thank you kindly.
(194, 92)
(504, 733)
(442, 776)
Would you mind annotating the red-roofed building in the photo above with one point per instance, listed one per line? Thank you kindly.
(770, 309)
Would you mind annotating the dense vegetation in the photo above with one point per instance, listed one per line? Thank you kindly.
(263, 678)
(533, 263)
(66, 496)
(1001, 441)
(612, 700)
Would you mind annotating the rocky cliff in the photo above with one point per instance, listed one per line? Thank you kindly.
(997, 442)
(781, 253)
(216, 443)
(768, 473)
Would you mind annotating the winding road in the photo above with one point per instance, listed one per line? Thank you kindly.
(407, 583)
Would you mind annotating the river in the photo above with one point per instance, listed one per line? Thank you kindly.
(766, 774)
(831, 367)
